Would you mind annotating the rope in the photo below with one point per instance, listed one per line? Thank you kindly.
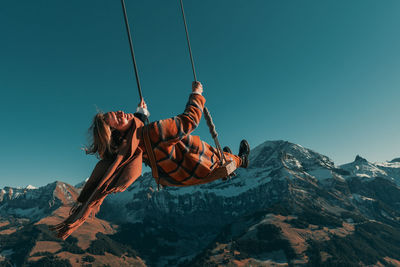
(132, 52)
(213, 133)
(207, 114)
(188, 41)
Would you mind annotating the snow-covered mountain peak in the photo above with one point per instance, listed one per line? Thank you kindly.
(273, 153)
(267, 154)
(81, 184)
(35, 203)
(362, 168)
(360, 159)
(395, 160)
(30, 187)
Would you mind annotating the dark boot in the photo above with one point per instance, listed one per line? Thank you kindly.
(244, 152)
(227, 149)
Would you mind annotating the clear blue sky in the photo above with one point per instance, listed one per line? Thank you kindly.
(323, 74)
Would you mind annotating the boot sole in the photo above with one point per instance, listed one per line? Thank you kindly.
(246, 149)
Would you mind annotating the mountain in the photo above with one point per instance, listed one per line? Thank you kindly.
(26, 213)
(292, 206)
(364, 169)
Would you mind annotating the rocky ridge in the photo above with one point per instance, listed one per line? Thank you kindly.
(291, 206)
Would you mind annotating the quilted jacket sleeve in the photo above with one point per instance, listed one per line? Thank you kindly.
(174, 129)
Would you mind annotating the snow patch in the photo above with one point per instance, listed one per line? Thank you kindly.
(30, 187)
(387, 216)
(360, 198)
(368, 170)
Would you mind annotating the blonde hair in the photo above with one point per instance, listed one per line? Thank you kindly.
(102, 138)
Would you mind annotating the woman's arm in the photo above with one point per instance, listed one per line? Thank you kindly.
(142, 112)
(174, 129)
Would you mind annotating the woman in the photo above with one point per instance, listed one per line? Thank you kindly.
(122, 142)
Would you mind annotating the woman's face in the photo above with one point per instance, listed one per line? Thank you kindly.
(118, 120)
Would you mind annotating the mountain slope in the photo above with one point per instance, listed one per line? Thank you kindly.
(25, 239)
(292, 206)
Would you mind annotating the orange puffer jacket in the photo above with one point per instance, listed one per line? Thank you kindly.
(183, 159)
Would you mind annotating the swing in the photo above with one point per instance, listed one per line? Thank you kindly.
(226, 168)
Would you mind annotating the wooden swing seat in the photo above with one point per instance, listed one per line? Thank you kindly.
(222, 172)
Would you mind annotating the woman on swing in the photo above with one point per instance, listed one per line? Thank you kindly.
(122, 143)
